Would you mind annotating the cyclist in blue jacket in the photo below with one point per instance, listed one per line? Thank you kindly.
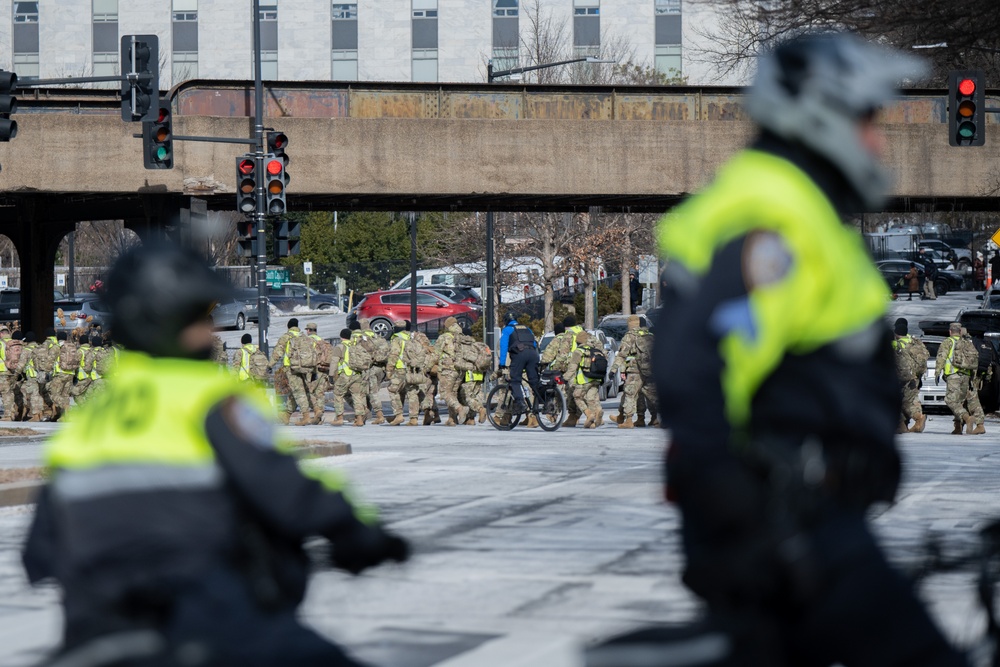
(519, 342)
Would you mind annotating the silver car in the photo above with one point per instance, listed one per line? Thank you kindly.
(932, 394)
(70, 314)
(611, 385)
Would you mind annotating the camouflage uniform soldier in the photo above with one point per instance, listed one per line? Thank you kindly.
(951, 363)
(15, 354)
(429, 389)
(551, 350)
(85, 371)
(586, 391)
(470, 388)
(219, 354)
(319, 384)
(376, 374)
(348, 381)
(7, 378)
(448, 377)
(63, 372)
(397, 370)
(911, 364)
(633, 352)
(567, 345)
(105, 360)
(45, 358)
(33, 402)
(972, 403)
(297, 397)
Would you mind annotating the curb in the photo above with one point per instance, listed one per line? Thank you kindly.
(23, 493)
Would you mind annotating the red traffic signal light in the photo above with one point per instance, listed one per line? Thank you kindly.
(275, 190)
(966, 108)
(246, 178)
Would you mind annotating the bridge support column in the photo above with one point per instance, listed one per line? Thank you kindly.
(37, 243)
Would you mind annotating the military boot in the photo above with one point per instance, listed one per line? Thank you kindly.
(598, 418)
(640, 421)
(450, 422)
(618, 418)
(338, 421)
(37, 417)
(958, 427)
(379, 417)
(918, 424)
(482, 415)
(283, 418)
(398, 419)
(980, 429)
(970, 424)
(463, 414)
(317, 417)
(305, 418)
(627, 423)
(437, 416)
(532, 422)
(655, 421)
(571, 421)
(901, 427)
(413, 422)
(589, 418)
(359, 420)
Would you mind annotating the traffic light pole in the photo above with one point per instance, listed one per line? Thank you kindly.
(258, 216)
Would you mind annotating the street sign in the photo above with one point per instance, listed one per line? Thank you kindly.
(307, 268)
(996, 237)
(277, 276)
(60, 280)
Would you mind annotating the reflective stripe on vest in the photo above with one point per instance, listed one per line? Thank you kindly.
(3, 355)
(404, 336)
(288, 343)
(344, 367)
(244, 373)
(830, 277)
(473, 376)
(81, 373)
(574, 331)
(949, 368)
(902, 342)
(580, 377)
(90, 483)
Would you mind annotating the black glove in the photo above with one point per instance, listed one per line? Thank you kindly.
(367, 546)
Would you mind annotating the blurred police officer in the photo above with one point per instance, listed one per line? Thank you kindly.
(775, 370)
(172, 521)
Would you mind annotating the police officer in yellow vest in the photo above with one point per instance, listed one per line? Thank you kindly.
(172, 520)
(776, 376)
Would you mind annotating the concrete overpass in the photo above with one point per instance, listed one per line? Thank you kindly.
(417, 146)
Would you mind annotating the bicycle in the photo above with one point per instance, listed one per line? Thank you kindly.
(722, 642)
(546, 402)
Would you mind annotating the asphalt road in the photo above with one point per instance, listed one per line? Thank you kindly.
(531, 545)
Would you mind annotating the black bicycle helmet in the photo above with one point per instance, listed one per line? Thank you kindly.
(509, 317)
(155, 291)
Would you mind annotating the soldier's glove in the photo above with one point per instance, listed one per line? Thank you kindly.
(367, 546)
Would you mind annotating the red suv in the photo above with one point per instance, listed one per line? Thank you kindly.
(381, 308)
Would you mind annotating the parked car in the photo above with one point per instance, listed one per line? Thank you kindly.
(385, 306)
(893, 270)
(79, 313)
(612, 383)
(615, 326)
(289, 295)
(457, 293)
(236, 312)
(932, 394)
(990, 299)
(960, 258)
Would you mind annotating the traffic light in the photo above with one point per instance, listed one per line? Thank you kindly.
(966, 108)
(286, 237)
(157, 139)
(274, 185)
(277, 142)
(8, 105)
(246, 180)
(140, 59)
(247, 238)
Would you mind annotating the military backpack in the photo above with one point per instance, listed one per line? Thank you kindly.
(324, 353)
(259, 365)
(359, 358)
(13, 349)
(414, 354)
(593, 363)
(379, 348)
(302, 355)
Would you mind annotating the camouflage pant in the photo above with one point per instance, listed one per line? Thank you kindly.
(80, 389)
(572, 409)
(430, 390)
(298, 394)
(588, 397)
(911, 400)
(32, 396)
(470, 393)
(448, 384)
(972, 401)
(317, 391)
(59, 389)
(374, 376)
(7, 395)
(632, 393)
(956, 393)
(400, 388)
(354, 385)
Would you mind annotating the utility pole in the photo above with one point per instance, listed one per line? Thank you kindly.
(258, 216)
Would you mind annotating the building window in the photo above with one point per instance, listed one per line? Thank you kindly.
(345, 42)
(269, 26)
(505, 34)
(269, 65)
(24, 39)
(105, 35)
(586, 26)
(185, 40)
(668, 36)
(425, 65)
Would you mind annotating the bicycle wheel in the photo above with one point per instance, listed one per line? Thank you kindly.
(552, 412)
(500, 409)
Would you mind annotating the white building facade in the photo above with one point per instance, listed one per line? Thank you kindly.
(366, 40)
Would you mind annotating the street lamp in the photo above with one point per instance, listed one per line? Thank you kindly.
(490, 314)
